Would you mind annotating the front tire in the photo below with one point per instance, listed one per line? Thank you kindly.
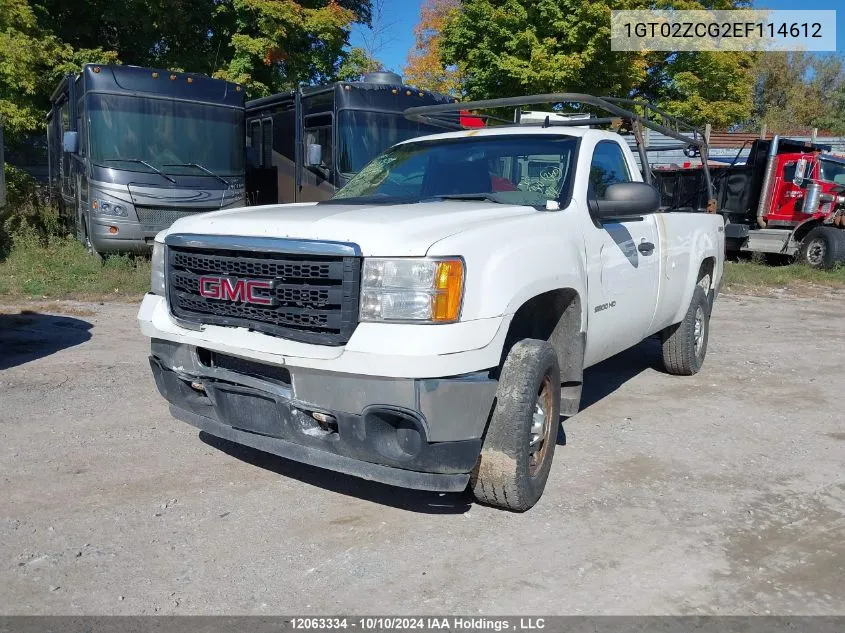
(89, 245)
(685, 343)
(823, 247)
(518, 449)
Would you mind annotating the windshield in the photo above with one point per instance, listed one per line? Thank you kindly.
(519, 169)
(833, 171)
(365, 135)
(125, 132)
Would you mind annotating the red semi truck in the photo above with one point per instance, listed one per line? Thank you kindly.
(788, 199)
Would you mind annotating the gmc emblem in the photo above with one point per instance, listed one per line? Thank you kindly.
(228, 289)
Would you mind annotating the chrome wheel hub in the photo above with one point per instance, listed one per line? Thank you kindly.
(816, 252)
(541, 434)
(698, 330)
(538, 426)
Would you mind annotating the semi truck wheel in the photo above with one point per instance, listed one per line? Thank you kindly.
(517, 454)
(685, 343)
(823, 247)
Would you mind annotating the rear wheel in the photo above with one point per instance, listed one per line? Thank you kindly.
(518, 449)
(823, 247)
(685, 343)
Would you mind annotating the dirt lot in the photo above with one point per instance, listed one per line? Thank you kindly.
(721, 493)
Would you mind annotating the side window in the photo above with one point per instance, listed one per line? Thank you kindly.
(253, 142)
(607, 168)
(267, 142)
(318, 130)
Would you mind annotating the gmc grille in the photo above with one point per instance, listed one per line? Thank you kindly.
(314, 297)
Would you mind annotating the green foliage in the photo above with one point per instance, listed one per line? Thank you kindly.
(512, 47)
(38, 260)
(795, 90)
(20, 187)
(267, 45)
(357, 64)
(745, 277)
(276, 44)
(31, 62)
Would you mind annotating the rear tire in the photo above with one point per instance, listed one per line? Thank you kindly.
(518, 449)
(685, 343)
(823, 247)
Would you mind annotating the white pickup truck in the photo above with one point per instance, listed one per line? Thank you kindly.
(428, 326)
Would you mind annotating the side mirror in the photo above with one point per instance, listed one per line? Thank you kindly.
(800, 170)
(70, 142)
(626, 199)
(314, 155)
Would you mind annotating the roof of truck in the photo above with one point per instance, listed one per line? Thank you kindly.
(522, 130)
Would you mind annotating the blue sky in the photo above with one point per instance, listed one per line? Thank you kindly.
(405, 14)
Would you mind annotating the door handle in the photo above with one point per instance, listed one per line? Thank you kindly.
(646, 248)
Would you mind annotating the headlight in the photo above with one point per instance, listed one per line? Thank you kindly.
(109, 208)
(157, 274)
(421, 290)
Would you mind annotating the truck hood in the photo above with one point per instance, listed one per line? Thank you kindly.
(380, 230)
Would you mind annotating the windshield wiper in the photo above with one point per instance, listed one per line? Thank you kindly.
(141, 162)
(201, 168)
(492, 197)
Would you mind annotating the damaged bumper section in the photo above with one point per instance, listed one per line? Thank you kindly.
(415, 433)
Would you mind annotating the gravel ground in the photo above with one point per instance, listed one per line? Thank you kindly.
(720, 493)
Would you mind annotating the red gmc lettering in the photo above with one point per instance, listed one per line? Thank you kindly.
(227, 289)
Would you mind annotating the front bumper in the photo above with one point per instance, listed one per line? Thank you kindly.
(130, 236)
(416, 433)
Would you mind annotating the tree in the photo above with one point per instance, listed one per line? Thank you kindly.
(356, 64)
(426, 68)
(277, 44)
(797, 89)
(513, 47)
(378, 36)
(32, 61)
(267, 45)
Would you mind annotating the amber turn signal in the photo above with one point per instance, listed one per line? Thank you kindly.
(449, 288)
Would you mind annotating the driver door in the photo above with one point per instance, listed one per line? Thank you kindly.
(622, 265)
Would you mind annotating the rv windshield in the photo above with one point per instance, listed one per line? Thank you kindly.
(364, 135)
(175, 137)
(518, 169)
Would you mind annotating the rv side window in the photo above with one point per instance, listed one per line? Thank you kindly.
(318, 130)
(254, 143)
(65, 116)
(267, 142)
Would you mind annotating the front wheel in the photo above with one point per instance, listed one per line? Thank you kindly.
(516, 458)
(89, 244)
(823, 247)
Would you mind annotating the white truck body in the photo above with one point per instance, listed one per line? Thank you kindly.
(512, 253)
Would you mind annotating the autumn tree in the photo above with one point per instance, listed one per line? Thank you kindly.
(798, 89)
(514, 47)
(426, 68)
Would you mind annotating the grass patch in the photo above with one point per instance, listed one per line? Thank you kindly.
(40, 264)
(759, 278)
